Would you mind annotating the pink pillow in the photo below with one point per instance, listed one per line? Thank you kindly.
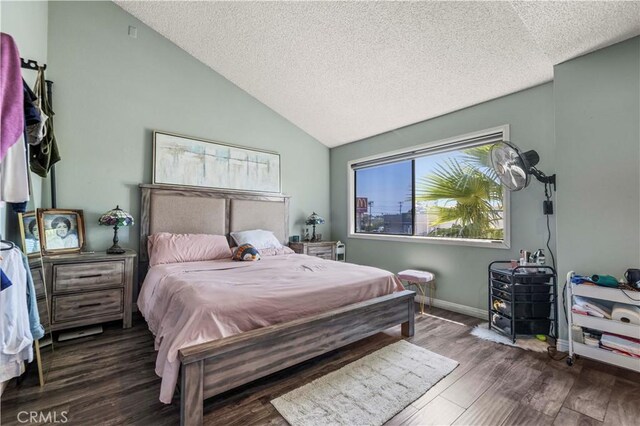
(175, 248)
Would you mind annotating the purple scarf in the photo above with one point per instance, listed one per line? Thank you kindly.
(11, 107)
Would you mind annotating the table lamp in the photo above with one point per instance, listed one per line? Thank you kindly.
(314, 220)
(116, 218)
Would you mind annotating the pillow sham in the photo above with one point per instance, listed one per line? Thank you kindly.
(258, 238)
(246, 252)
(276, 251)
(165, 248)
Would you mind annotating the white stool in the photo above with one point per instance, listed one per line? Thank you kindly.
(421, 279)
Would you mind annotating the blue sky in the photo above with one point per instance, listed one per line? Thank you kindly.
(390, 184)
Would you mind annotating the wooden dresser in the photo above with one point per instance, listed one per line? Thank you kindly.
(323, 249)
(87, 289)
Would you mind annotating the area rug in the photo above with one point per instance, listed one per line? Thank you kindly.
(369, 391)
(529, 343)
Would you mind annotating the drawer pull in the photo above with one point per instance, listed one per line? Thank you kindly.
(88, 305)
(90, 276)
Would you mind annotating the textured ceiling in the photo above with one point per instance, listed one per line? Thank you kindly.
(344, 71)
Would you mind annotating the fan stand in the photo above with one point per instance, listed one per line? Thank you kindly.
(542, 178)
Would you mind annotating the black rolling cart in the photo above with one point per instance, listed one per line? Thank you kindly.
(523, 300)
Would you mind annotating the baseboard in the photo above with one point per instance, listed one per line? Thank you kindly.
(562, 345)
(455, 307)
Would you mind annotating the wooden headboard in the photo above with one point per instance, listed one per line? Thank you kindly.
(183, 210)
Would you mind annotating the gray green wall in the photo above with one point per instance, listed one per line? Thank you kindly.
(585, 125)
(461, 271)
(597, 116)
(111, 91)
(26, 22)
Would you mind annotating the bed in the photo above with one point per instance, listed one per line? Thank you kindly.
(328, 304)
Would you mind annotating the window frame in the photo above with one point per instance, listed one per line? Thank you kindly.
(442, 143)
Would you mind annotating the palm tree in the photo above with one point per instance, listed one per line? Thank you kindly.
(466, 193)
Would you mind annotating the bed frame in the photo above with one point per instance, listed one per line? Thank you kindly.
(211, 368)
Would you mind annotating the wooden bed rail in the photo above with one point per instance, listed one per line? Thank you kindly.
(214, 367)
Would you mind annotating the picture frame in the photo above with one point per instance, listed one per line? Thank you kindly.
(29, 235)
(61, 230)
(192, 162)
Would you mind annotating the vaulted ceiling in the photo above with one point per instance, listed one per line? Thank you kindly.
(344, 71)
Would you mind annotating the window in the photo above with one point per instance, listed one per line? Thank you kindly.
(440, 192)
(383, 197)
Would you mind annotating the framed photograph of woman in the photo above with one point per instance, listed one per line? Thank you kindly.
(29, 233)
(61, 231)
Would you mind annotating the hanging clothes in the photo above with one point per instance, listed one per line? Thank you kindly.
(15, 331)
(37, 330)
(5, 282)
(34, 131)
(11, 112)
(34, 118)
(14, 176)
(45, 154)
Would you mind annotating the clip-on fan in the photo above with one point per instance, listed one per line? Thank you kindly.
(514, 168)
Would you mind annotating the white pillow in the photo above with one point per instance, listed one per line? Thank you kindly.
(258, 238)
(265, 252)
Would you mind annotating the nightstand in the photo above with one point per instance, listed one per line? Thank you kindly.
(92, 288)
(323, 249)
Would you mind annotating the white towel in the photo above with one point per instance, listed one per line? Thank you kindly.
(592, 307)
(626, 313)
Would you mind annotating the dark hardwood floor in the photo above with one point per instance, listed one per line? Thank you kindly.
(109, 379)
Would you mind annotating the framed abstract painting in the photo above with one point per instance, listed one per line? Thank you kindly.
(187, 161)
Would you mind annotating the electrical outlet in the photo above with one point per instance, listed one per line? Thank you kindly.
(133, 31)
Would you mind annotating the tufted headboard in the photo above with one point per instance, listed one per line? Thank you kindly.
(208, 211)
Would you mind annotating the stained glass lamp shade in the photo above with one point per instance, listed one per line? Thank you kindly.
(116, 218)
(314, 220)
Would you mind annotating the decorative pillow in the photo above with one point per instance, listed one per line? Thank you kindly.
(246, 252)
(175, 248)
(258, 238)
(276, 251)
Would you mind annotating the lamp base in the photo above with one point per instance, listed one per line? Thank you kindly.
(115, 249)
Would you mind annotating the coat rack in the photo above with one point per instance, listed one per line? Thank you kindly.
(30, 64)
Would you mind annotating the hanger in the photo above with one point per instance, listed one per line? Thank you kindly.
(11, 245)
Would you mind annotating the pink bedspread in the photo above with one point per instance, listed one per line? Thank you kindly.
(190, 303)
